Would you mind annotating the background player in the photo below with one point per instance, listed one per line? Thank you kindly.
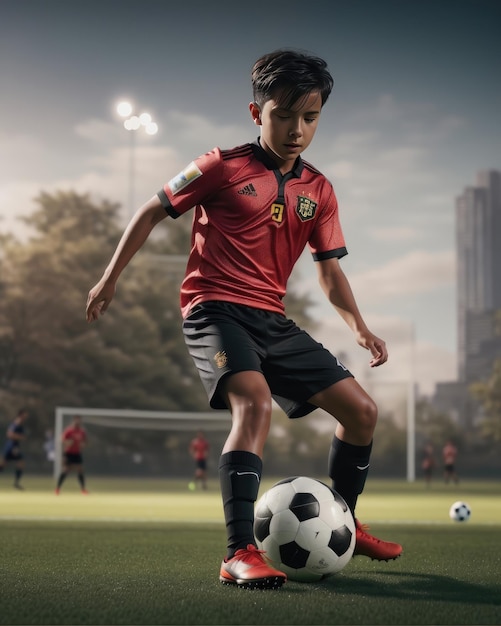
(428, 462)
(74, 439)
(199, 450)
(257, 206)
(449, 456)
(12, 448)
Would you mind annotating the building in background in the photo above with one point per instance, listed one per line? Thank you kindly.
(478, 244)
(478, 249)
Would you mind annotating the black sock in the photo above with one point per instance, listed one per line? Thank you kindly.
(240, 477)
(348, 468)
(61, 479)
(19, 473)
(81, 480)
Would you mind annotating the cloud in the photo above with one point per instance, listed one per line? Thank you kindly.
(195, 134)
(417, 272)
(25, 157)
(101, 132)
(394, 234)
(385, 162)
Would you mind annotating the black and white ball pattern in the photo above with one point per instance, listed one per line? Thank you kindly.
(460, 511)
(306, 528)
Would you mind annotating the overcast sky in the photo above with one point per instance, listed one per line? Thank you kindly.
(413, 117)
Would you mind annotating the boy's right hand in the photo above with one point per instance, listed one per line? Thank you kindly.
(99, 299)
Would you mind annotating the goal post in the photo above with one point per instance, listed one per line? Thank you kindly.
(211, 421)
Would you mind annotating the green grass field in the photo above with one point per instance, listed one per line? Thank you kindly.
(148, 552)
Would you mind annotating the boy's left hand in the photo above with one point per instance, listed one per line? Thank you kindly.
(377, 348)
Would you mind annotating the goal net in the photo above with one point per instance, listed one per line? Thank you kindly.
(143, 443)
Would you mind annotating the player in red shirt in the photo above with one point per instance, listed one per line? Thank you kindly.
(199, 450)
(449, 455)
(74, 439)
(256, 207)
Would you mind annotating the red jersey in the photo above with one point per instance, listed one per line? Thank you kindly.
(250, 225)
(76, 435)
(449, 453)
(199, 448)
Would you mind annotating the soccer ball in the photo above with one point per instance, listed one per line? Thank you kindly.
(306, 529)
(460, 511)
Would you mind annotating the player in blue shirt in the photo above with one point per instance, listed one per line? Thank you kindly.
(12, 447)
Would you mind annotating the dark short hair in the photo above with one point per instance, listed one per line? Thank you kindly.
(293, 73)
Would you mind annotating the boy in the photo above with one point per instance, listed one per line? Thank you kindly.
(12, 449)
(74, 439)
(449, 455)
(256, 207)
(199, 450)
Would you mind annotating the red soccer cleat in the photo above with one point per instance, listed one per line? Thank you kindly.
(248, 569)
(376, 549)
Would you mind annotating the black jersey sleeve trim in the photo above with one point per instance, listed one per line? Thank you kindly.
(162, 196)
(338, 253)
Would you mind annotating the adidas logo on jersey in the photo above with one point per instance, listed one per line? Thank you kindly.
(248, 190)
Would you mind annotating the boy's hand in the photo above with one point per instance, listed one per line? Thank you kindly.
(376, 346)
(99, 299)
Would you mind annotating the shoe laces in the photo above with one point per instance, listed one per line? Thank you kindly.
(363, 528)
(251, 554)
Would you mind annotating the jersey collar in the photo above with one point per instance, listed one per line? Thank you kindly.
(261, 155)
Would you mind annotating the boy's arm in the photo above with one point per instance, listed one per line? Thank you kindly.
(338, 291)
(134, 236)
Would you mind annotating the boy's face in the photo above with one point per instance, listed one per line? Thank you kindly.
(286, 133)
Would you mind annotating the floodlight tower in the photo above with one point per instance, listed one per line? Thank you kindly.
(134, 123)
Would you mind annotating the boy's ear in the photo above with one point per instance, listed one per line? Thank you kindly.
(255, 112)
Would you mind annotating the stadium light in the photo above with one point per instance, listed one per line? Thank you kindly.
(134, 122)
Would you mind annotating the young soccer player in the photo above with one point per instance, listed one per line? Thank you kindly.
(449, 456)
(199, 450)
(12, 449)
(256, 207)
(74, 439)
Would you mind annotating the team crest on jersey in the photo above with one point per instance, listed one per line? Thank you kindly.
(184, 178)
(305, 208)
(221, 359)
(277, 212)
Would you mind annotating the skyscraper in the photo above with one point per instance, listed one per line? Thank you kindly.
(478, 245)
(478, 250)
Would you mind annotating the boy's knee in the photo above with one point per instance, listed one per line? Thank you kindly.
(363, 421)
(256, 412)
(368, 416)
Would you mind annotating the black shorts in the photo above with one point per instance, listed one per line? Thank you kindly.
(13, 454)
(72, 459)
(224, 338)
(201, 464)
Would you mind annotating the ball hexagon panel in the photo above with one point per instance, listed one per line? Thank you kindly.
(304, 506)
(284, 526)
(341, 540)
(293, 555)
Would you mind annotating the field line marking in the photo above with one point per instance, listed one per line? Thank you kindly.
(63, 518)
